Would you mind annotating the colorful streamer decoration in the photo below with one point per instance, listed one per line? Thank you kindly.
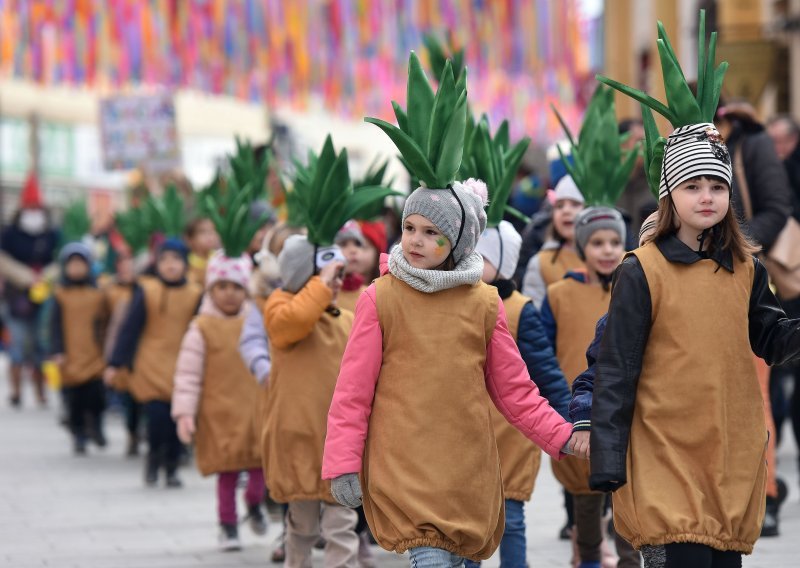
(349, 55)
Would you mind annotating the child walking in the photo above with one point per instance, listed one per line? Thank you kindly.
(678, 427)
(558, 255)
(307, 336)
(216, 398)
(428, 342)
(79, 318)
(159, 314)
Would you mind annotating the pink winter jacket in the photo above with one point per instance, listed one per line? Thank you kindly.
(191, 359)
(510, 387)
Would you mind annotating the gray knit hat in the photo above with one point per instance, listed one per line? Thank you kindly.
(594, 219)
(457, 212)
(300, 260)
(692, 151)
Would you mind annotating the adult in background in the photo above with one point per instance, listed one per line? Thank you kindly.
(31, 241)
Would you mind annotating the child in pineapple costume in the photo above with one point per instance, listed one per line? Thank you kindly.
(79, 318)
(678, 426)
(428, 342)
(353, 244)
(203, 240)
(558, 255)
(216, 398)
(159, 314)
(307, 336)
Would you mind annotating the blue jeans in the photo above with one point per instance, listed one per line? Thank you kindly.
(513, 546)
(429, 557)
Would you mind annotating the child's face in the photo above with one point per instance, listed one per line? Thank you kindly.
(423, 244)
(170, 266)
(564, 213)
(357, 255)
(76, 269)
(228, 297)
(125, 272)
(701, 202)
(205, 238)
(603, 251)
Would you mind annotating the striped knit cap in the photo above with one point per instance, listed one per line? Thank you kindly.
(691, 151)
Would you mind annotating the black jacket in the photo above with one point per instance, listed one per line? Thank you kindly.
(770, 194)
(773, 337)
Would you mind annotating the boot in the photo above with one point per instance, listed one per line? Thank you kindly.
(152, 465)
(770, 526)
(173, 481)
(15, 398)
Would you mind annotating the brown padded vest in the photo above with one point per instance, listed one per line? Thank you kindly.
(696, 458)
(576, 308)
(226, 418)
(551, 271)
(519, 457)
(431, 474)
(295, 415)
(84, 312)
(170, 309)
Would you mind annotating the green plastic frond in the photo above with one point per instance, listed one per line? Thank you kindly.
(76, 222)
(683, 107)
(653, 150)
(599, 165)
(249, 168)
(431, 132)
(165, 214)
(214, 190)
(494, 161)
(133, 228)
(438, 55)
(323, 198)
(230, 214)
(374, 177)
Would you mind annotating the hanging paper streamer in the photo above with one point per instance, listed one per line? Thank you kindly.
(349, 54)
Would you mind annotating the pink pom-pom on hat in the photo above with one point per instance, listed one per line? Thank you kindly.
(476, 186)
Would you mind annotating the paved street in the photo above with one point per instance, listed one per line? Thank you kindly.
(59, 510)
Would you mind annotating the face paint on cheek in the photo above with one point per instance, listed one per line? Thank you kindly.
(440, 242)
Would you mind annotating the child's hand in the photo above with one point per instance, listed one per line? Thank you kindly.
(332, 275)
(186, 429)
(346, 489)
(108, 376)
(579, 444)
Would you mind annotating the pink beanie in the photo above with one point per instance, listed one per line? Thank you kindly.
(236, 270)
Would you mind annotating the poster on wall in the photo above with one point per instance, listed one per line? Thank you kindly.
(139, 131)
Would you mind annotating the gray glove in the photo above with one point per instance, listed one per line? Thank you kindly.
(346, 489)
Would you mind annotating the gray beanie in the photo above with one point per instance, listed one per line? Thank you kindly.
(446, 208)
(300, 260)
(594, 219)
(692, 151)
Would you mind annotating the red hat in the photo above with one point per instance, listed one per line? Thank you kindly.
(375, 232)
(31, 196)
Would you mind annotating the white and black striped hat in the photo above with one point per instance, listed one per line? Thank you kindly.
(691, 151)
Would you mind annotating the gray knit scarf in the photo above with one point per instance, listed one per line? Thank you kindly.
(468, 271)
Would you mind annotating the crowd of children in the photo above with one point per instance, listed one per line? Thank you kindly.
(405, 393)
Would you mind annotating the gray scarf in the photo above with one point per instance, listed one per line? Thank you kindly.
(468, 272)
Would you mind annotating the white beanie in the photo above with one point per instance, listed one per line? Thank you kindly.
(692, 151)
(567, 189)
(500, 247)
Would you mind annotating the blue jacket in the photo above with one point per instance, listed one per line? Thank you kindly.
(580, 408)
(538, 354)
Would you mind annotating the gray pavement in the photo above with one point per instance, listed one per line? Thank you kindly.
(94, 512)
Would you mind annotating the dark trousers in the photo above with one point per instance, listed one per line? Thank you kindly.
(85, 401)
(133, 413)
(162, 433)
(589, 524)
(691, 555)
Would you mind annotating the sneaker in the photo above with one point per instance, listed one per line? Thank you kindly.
(279, 554)
(770, 526)
(173, 481)
(256, 519)
(229, 538)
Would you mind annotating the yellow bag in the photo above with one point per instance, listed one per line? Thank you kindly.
(52, 375)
